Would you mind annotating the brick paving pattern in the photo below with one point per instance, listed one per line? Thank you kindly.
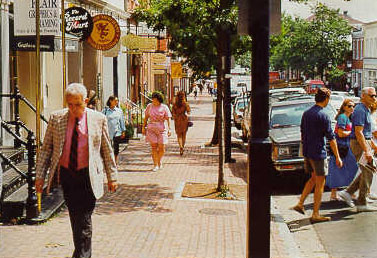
(147, 217)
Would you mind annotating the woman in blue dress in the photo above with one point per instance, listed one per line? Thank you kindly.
(342, 177)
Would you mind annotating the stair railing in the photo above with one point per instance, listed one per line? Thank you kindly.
(17, 96)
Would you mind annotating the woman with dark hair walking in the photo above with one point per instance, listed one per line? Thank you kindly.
(342, 177)
(180, 110)
(115, 123)
(154, 128)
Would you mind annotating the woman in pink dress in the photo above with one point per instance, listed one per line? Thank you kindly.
(154, 128)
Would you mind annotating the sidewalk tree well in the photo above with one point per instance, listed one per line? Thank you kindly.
(309, 45)
(193, 28)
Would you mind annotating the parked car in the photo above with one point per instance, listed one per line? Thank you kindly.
(239, 106)
(336, 101)
(285, 119)
(285, 135)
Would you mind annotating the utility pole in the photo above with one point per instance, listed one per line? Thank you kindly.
(259, 144)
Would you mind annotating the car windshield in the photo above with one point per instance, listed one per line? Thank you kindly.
(290, 115)
(316, 86)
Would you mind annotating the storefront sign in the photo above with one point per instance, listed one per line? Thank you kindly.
(27, 43)
(105, 34)
(24, 17)
(158, 58)
(176, 70)
(70, 45)
(134, 42)
(78, 22)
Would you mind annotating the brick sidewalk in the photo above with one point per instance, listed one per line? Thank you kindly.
(147, 217)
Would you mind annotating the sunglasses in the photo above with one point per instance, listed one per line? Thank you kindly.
(372, 96)
(351, 106)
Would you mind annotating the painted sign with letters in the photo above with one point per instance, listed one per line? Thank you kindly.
(78, 22)
(105, 34)
(24, 17)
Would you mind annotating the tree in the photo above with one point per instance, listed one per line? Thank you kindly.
(196, 30)
(310, 45)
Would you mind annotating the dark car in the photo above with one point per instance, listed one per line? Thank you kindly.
(285, 135)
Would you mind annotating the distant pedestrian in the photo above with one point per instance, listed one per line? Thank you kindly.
(154, 128)
(315, 127)
(342, 177)
(362, 144)
(76, 151)
(356, 89)
(92, 100)
(180, 110)
(195, 90)
(115, 122)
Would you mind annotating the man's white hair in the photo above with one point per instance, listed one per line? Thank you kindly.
(76, 89)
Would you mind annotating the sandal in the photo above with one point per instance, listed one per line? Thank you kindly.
(319, 219)
(299, 209)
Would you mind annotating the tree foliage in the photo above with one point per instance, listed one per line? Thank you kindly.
(192, 27)
(310, 45)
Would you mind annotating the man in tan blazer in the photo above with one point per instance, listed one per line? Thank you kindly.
(77, 151)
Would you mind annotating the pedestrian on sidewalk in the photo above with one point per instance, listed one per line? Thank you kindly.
(115, 122)
(180, 110)
(362, 144)
(92, 100)
(342, 177)
(76, 149)
(154, 128)
(315, 127)
(372, 194)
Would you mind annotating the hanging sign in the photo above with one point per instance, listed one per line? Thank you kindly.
(176, 70)
(24, 17)
(78, 22)
(105, 34)
(28, 43)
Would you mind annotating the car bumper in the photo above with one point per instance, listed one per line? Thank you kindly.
(286, 165)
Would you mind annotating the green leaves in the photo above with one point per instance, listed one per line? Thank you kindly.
(192, 26)
(309, 45)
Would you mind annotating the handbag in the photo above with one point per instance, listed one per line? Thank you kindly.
(189, 123)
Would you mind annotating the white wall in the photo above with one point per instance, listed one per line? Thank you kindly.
(117, 3)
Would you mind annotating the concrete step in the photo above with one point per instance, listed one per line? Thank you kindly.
(15, 205)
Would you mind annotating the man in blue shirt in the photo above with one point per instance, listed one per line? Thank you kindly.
(361, 143)
(315, 127)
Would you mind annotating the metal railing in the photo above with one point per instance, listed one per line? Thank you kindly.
(31, 148)
(17, 96)
(14, 129)
(135, 115)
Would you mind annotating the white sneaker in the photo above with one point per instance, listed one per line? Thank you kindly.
(160, 167)
(346, 197)
(369, 200)
(155, 169)
(365, 208)
(372, 196)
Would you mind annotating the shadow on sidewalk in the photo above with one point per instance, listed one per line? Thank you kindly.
(128, 198)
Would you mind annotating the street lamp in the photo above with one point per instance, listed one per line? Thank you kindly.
(349, 64)
(329, 64)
